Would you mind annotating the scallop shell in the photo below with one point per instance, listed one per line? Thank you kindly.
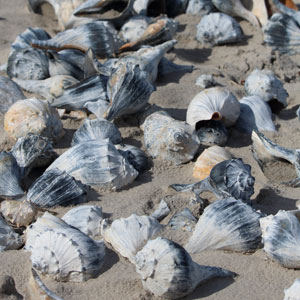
(292, 293)
(227, 224)
(280, 236)
(199, 7)
(266, 85)
(64, 252)
(33, 116)
(169, 139)
(218, 29)
(128, 236)
(183, 220)
(208, 159)
(96, 163)
(168, 271)
(86, 218)
(213, 104)
(96, 129)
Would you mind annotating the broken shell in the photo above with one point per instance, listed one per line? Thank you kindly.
(162, 211)
(213, 104)
(168, 271)
(206, 81)
(280, 236)
(265, 84)
(129, 235)
(96, 163)
(218, 29)
(86, 218)
(292, 293)
(227, 224)
(208, 159)
(169, 139)
(33, 116)
(96, 129)
(199, 7)
(183, 220)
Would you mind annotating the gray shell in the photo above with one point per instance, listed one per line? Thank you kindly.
(96, 163)
(96, 129)
(227, 224)
(169, 139)
(292, 293)
(168, 271)
(86, 218)
(183, 220)
(218, 29)
(199, 7)
(265, 84)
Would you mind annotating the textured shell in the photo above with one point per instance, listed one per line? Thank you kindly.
(218, 29)
(281, 238)
(169, 139)
(183, 220)
(96, 129)
(255, 114)
(208, 159)
(213, 104)
(199, 7)
(33, 116)
(18, 213)
(292, 293)
(96, 163)
(10, 92)
(129, 235)
(86, 218)
(265, 84)
(9, 240)
(227, 224)
(64, 252)
(168, 271)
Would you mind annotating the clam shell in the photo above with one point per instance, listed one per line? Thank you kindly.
(199, 7)
(129, 235)
(183, 220)
(33, 116)
(292, 293)
(227, 224)
(208, 159)
(213, 104)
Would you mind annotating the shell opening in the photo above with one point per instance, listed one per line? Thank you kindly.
(216, 116)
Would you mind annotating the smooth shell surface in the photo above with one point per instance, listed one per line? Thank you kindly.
(292, 293)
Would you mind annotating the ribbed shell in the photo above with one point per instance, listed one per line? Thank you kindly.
(129, 235)
(96, 163)
(227, 224)
(199, 7)
(217, 29)
(281, 238)
(213, 104)
(96, 129)
(33, 116)
(292, 293)
(86, 218)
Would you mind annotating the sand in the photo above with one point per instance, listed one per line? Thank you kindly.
(258, 277)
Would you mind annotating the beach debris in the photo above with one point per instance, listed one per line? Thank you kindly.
(200, 7)
(162, 211)
(206, 81)
(292, 293)
(183, 220)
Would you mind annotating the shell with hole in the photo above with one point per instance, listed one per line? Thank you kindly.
(292, 293)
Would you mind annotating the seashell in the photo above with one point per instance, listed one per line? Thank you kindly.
(168, 271)
(288, 7)
(183, 220)
(62, 251)
(33, 116)
(168, 139)
(98, 108)
(56, 187)
(218, 29)
(208, 159)
(86, 218)
(28, 64)
(127, 90)
(227, 224)
(292, 293)
(9, 239)
(96, 163)
(199, 7)
(96, 130)
(206, 81)
(49, 88)
(18, 213)
(258, 8)
(265, 84)
(162, 211)
(10, 175)
(129, 235)
(235, 8)
(175, 8)
(280, 236)
(10, 92)
(229, 178)
(33, 151)
(213, 104)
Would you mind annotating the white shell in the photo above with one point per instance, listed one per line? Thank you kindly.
(293, 292)
(227, 224)
(199, 7)
(128, 236)
(86, 218)
(265, 84)
(213, 104)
